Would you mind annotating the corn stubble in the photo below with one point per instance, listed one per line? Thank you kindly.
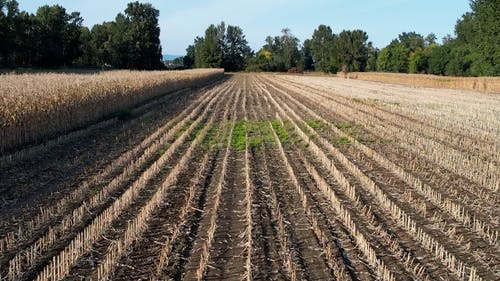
(483, 84)
(367, 208)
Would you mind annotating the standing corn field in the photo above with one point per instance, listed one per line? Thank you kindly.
(34, 107)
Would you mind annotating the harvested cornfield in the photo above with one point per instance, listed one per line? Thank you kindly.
(483, 84)
(34, 107)
(264, 177)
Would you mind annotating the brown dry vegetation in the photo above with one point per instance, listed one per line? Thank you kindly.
(265, 177)
(482, 84)
(37, 106)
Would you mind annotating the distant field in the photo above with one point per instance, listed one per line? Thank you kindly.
(252, 177)
(482, 84)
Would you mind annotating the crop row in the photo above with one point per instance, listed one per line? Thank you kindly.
(35, 107)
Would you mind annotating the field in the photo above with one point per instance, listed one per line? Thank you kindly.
(263, 177)
(482, 84)
(41, 106)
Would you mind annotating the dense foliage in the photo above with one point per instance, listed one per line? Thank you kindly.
(280, 53)
(475, 51)
(221, 47)
(52, 38)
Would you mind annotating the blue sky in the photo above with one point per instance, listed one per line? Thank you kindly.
(182, 21)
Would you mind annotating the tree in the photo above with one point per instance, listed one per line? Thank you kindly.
(188, 59)
(352, 48)
(393, 58)
(280, 53)
(399, 58)
(58, 36)
(24, 40)
(371, 63)
(460, 60)
(271, 54)
(221, 46)
(290, 52)
(199, 54)
(307, 59)
(131, 41)
(405, 54)
(212, 48)
(52, 38)
(143, 36)
(322, 47)
(430, 39)
(485, 46)
(100, 43)
(412, 41)
(236, 49)
(438, 59)
(16, 34)
(464, 29)
(383, 60)
(85, 57)
(9, 11)
(418, 62)
(73, 38)
(263, 61)
(118, 44)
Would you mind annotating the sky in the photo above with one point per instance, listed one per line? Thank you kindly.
(181, 21)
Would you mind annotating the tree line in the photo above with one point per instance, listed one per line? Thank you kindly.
(474, 51)
(325, 51)
(52, 37)
(222, 47)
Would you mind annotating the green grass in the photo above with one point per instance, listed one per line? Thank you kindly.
(317, 124)
(365, 140)
(281, 132)
(238, 141)
(211, 139)
(343, 125)
(179, 132)
(259, 133)
(341, 141)
(195, 132)
(164, 149)
(395, 103)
